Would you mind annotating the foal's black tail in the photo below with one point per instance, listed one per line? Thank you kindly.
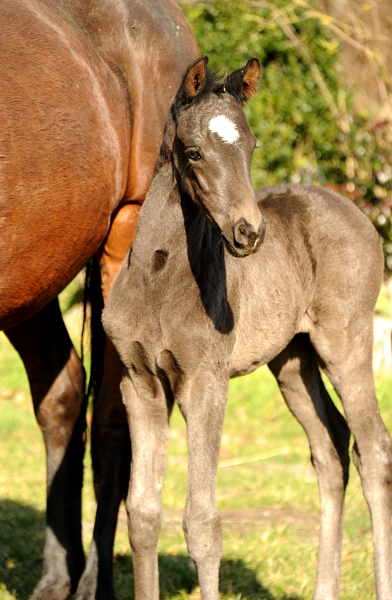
(92, 320)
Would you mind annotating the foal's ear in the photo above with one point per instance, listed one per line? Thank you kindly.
(243, 82)
(251, 78)
(195, 79)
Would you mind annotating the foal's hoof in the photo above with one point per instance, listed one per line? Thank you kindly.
(49, 589)
(90, 589)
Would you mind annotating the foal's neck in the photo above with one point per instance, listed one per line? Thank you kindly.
(172, 226)
(170, 218)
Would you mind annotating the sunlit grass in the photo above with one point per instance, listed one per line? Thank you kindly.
(267, 494)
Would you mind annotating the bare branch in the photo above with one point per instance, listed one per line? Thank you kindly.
(289, 30)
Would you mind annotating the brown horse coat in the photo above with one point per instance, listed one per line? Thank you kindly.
(84, 90)
(83, 102)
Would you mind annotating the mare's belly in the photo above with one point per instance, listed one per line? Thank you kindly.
(64, 149)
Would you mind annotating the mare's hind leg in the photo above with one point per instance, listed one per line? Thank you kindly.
(297, 373)
(111, 454)
(56, 379)
(110, 443)
(346, 352)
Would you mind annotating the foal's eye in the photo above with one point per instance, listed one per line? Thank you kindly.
(193, 154)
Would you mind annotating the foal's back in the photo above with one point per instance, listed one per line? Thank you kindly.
(327, 239)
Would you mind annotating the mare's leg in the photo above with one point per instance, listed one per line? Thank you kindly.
(148, 411)
(111, 453)
(110, 444)
(56, 379)
(297, 373)
(203, 406)
(346, 352)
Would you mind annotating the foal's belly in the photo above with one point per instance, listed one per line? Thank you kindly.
(265, 325)
(249, 354)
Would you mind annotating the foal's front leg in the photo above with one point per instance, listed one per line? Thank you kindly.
(148, 412)
(203, 406)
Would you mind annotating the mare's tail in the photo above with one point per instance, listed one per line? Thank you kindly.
(93, 306)
(92, 321)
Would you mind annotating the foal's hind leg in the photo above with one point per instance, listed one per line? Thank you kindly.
(347, 356)
(56, 379)
(297, 373)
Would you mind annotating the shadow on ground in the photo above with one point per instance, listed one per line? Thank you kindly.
(176, 576)
(22, 530)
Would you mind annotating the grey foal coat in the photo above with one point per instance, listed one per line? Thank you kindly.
(221, 280)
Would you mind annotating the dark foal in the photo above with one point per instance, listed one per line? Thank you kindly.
(302, 298)
(81, 123)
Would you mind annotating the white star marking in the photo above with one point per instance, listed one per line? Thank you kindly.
(224, 128)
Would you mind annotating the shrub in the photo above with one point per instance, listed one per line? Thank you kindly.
(303, 117)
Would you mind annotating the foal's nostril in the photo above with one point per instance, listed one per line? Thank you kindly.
(242, 237)
(246, 239)
(244, 234)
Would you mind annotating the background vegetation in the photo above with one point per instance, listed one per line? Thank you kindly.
(307, 128)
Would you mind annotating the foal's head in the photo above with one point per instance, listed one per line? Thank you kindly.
(213, 149)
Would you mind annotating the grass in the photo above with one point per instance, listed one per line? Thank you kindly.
(267, 493)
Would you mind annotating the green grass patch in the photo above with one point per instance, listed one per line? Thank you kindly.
(265, 476)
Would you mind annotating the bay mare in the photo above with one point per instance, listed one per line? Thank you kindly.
(85, 87)
(221, 280)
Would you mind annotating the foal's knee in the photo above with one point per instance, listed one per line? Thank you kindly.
(144, 523)
(332, 468)
(204, 538)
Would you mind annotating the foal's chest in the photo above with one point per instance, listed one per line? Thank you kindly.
(187, 317)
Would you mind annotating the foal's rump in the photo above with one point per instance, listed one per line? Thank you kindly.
(338, 250)
(339, 240)
(63, 154)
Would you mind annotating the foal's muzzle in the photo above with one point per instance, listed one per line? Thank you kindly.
(247, 240)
